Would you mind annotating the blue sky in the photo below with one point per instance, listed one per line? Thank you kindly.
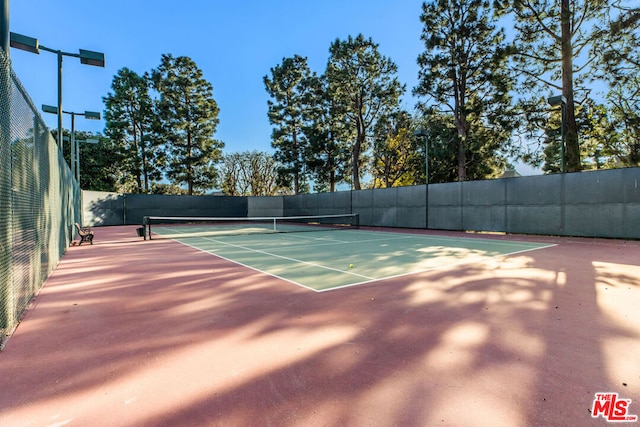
(234, 43)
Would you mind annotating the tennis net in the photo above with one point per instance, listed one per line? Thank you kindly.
(182, 227)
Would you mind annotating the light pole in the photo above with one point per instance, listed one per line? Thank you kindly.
(91, 115)
(562, 101)
(87, 57)
(421, 133)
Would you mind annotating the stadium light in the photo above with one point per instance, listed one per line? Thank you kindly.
(32, 45)
(421, 133)
(91, 115)
(554, 101)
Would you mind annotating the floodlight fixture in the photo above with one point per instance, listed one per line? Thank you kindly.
(92, 115)
(49, 109)
(87, 57)
(557, 100)
(26, 43)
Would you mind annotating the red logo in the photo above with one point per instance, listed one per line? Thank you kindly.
(613, 409)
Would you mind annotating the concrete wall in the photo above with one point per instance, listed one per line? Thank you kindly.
(589, 204)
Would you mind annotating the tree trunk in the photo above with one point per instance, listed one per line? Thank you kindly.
(462, 143)
(355, 163)
(462, 159)
(189, 166)
(357, 147)
(572, 146)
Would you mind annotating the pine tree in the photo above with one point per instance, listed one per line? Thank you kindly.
(463, 72)
(326, 155)
(288, 86)
(552, 38)
(364, 86)
(130, 123)
(188, 117)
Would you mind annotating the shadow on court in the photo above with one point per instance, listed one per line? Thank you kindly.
(134, 333)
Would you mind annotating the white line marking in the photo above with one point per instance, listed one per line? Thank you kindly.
(288, 258)
(367, 279)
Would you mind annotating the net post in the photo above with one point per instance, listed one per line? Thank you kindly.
(275, 228)
(144, 227)
(357, 224)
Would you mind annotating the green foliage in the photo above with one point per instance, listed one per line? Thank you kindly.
(364, 87)
(625, 118)
(130, 122)
(557, 44)
(396, 156)
(443, 143)
(188, 117)
(289, 86)
(160, 188)
(617, 50)
(463, 73)
(98, 170)
(327, 154)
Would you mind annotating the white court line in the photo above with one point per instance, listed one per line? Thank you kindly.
(289, 258)
(249, 266)
(367, 279)
(439, 267)
(336, 242)
(410, 236)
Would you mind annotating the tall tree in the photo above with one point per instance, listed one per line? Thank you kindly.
(188, 117)
(288, 86)
(130, 121)
(364, 85)
(552, 42)
(619, 62)
(326, 154)
(625, 109)
(618, 47)
(463, 72)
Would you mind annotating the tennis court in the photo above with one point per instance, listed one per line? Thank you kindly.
(130, 332)
(332, 258)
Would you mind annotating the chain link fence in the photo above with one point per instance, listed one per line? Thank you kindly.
(39, 200)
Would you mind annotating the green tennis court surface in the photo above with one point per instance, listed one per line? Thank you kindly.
(325, 260)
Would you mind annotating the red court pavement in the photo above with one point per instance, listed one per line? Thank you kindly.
(153, 333)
